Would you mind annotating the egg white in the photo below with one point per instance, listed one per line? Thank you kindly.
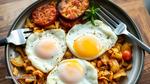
(46, 65)
(90, 76)
(106, 37)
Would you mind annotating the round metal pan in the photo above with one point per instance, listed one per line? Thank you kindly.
(138, 54)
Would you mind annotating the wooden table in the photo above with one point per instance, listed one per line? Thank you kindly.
(9, 10)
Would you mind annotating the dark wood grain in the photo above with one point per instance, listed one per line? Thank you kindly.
(135, 9)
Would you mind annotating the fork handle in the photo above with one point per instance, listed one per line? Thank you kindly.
(3, 42)
(140, 43)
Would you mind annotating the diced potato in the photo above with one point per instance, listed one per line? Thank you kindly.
(105, 59)
(41, 81)
(118, 46)
(105, 73)
(68, 54)
(117, 55)
(17, 61)
(15, 71)
(129, 67)
(126, 46)
(93, 63)
(27, 62)
(114, 65)
(103, 82)
(29, 24)
(99, 63)
(28, 78)
(123, 63)
(24, 65)
(38, 73)
(35, 82)
(119, 74)
(103, 78)
(37, 29)
(57, 24)
(30, 69)
(111, 76)
(110, 51)
(114, 82)
(21, 81)
(115, 50)
(50, 27)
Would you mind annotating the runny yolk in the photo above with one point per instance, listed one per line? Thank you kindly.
(87, 46)
(46, 48)
(71, 72)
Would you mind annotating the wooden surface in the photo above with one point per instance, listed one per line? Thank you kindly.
(10, 9)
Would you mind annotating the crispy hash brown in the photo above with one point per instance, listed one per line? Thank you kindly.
(111, 66)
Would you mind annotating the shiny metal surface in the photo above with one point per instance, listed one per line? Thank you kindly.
(119, 27)
(18, 36)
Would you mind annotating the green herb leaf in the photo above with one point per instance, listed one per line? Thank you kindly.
(90, 14)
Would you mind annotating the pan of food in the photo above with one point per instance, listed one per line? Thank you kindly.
(69, 43)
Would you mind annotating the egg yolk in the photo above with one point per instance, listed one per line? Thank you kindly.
(87, 46)
(46, 48)
(71, 72)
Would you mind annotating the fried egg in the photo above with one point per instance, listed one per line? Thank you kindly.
(88, 41)
(45, 50)
(73, 71)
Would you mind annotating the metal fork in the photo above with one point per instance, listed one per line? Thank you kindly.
(118, 26)
(16, 37)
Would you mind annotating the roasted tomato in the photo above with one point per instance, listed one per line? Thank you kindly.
(44, 15)
(127, 56)
(72, 9)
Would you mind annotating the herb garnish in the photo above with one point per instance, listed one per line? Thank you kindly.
(90, 14)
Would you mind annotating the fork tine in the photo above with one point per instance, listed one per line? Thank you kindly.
(105, 21)
(26, 30)
(26, 35)
(108, 19)
(111, 15)
(108, 13)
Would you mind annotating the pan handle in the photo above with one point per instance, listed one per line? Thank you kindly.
(3, 42)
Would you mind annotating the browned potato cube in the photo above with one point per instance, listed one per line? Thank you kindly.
(17, 61)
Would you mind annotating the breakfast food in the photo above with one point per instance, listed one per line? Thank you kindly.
(18, 61)
(72, 9)
(88, 41)
(69, 24)
(44, 15)
(73, 71)
(46, 49)
(65, 48)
